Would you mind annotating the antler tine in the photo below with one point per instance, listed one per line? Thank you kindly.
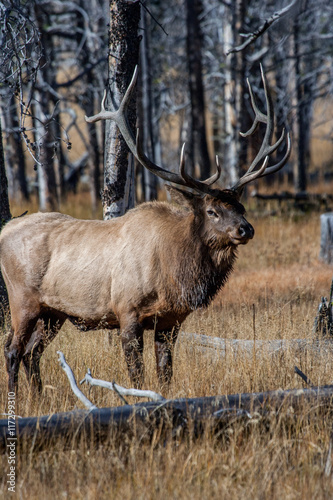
(119, 116)
(266, 148)
(102, 103)
(259, 116)
(251, 176)
(275, 168)
(201, 186)
(211, 180)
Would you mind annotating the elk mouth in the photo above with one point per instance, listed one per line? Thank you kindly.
(242, 236)
(241, 240)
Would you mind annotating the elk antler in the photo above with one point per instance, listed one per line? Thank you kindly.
(135, 146)
(266, 149)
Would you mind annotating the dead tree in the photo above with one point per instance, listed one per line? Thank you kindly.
(198, 148)
(326, 237)
(173, 418)
(118, 194)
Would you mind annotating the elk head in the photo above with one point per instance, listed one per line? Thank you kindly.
(222, 208)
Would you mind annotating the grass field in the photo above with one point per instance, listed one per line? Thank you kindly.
(279, 278)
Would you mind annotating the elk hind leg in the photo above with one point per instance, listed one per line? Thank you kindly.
(21, 332)
(164, 347)
(45, 331)
(132, 343)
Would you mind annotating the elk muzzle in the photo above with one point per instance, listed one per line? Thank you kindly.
(242, 234)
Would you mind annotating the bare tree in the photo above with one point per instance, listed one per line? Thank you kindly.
(198, 148)
(146, 110)
(19, 64)
(118, 193)
(295, 43)
(42, 40)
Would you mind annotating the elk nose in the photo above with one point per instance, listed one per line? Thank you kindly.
(246, 231)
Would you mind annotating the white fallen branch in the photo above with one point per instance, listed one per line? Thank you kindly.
(154, 396)
(67, 369)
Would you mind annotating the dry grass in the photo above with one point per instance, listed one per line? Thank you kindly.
(277, 276)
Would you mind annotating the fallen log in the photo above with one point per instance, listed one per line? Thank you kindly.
(219, 348)
(141, 420)
(301, 200)
(321, 343)
(286, 195)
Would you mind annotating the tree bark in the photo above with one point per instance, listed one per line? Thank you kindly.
(123, 57)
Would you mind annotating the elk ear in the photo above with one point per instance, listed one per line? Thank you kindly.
(181, 197)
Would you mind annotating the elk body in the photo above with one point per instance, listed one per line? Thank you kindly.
(146, 270)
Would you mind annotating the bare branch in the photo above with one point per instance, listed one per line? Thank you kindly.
(67, 369)
(154, 396)
(153, 17)
(251, 37)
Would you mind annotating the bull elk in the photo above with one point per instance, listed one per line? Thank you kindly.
(148, 269)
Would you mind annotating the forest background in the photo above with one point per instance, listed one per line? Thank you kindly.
(55, 65)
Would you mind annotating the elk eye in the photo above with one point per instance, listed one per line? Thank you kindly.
(212, 213)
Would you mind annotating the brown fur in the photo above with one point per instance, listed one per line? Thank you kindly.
(146, 270)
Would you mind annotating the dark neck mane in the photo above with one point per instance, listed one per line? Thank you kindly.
(200, 280)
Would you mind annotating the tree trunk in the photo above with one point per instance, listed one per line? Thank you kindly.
(300, 177)
(146, 112)
(5, 216)
(326, 238)
(47, 186)
(44, 119)
(243, 118)
(123, 57)
(174, 417)
(15, 155)
(87, 56)
(282, 80)
(230, 150)
(198, 149)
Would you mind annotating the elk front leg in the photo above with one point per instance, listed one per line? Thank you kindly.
(164, 346)
(132, 342)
